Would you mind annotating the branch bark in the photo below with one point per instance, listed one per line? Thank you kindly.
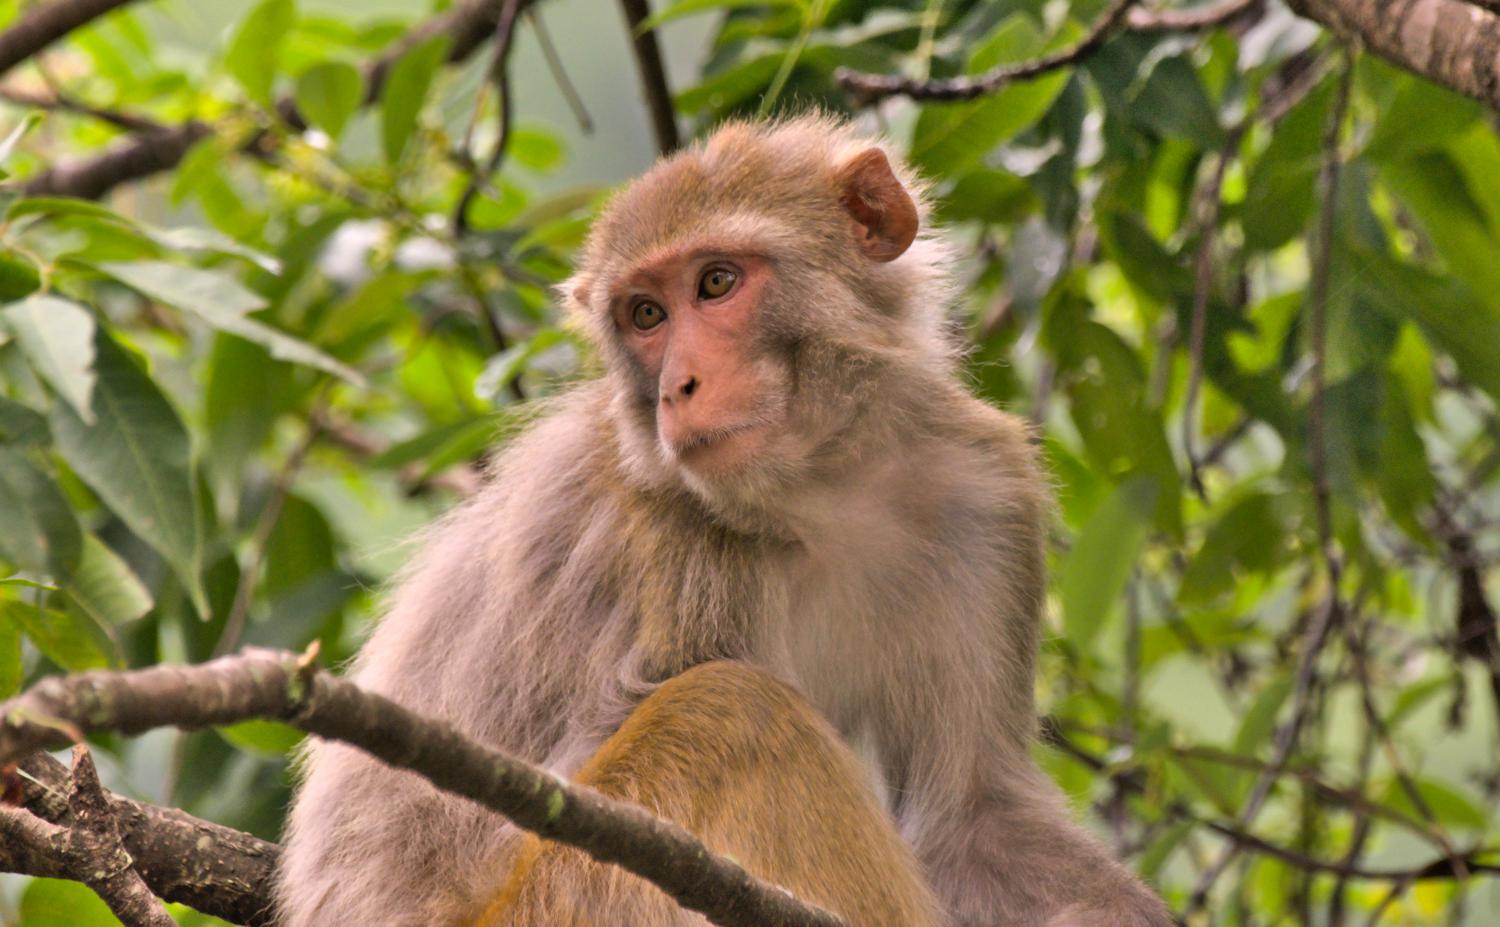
(1449, 42)
(283, 686)
(211, 868)
(44, 25)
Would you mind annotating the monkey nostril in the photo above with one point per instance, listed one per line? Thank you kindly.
(690, 387)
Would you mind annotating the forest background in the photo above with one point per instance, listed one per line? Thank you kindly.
(274, 275)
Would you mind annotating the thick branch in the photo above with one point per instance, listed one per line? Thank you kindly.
(265, 684)
(211, 868)
(1449, 42)
(44, 25)
(653, 76)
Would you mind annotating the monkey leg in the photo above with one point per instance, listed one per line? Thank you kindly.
(742, 761)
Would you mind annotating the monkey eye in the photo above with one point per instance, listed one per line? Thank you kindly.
(716, 282)
(647, 315)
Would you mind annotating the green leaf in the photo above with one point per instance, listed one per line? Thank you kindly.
(1451, 807)
(328, 94)
(58, 336)
(404, 92)
(40, 532)
(1094, 573)
(1173, 101)
(60, 206)
(262, 738)
(136, 456)
(21, 426)
(198, 238)
(10, 658)
(55, 903)
(536, 148)
(1452, 317)
(186, 287)
(222, 302)
(105, 587)
(1239, 541)
(253, 53)
(68, 638)
(18, 276)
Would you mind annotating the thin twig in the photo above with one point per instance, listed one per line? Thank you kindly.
(559, 73)
(1330, 610)
(871, 88)
(505, 33)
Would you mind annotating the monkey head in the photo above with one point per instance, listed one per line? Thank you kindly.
(745, 293)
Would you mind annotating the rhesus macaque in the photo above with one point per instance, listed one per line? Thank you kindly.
(779, 468)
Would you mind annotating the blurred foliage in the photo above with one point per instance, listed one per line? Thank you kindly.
(227, 392)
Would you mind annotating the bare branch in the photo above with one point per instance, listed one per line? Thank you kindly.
(45, 24)
(142, 155)
(498, 72)
(1450, 42)
(267, 684)
(98, 855)
(1192, 19)
(653, 76)
(214, 869)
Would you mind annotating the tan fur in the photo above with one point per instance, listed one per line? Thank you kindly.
(884, 554)
(741, 760)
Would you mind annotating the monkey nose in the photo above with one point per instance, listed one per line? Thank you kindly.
(685, 388)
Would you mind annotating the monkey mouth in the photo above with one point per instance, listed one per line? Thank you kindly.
(714, 447)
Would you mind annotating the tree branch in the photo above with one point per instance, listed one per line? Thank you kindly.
(283, 686)
(144, 154)
(653, 76)
(209, 867)
(1122, 15)
(1449, 42)
(44, 25)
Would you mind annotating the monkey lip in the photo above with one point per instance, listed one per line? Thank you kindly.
(713, 448)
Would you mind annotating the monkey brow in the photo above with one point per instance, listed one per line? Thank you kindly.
(654, 267)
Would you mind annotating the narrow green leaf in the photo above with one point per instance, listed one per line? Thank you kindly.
(328, 93)
(262, 738)
(8, 145)
(40, 532)
(222, 302)
(405, 90)
(105, 587)
(253, 53)
(58, 336)
(136, 456)
(1094, 574)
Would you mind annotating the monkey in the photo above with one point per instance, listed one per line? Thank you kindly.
(778, 468)
(692, 752)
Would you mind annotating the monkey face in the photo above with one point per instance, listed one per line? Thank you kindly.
(742, 291)
(689, 321)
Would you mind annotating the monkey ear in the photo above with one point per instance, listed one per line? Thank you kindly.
(577, 290)
(884, 216)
